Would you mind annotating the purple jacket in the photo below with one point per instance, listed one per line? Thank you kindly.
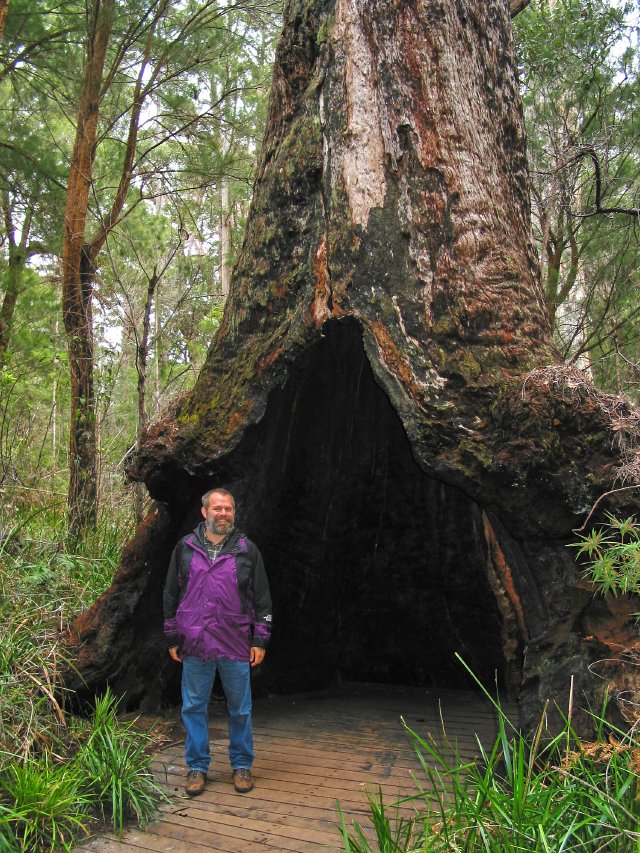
(216, 609)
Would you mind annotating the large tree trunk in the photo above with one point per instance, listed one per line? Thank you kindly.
(378, 396)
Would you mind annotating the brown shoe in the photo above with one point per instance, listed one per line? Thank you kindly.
(242, 780)
(195, 782)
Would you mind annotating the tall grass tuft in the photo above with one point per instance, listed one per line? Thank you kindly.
(41, 807)
(115, 767)
(539, 793)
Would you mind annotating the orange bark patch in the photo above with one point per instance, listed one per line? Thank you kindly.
(503, 571)
(238, 419)
(505, 337)
(319, 309)
(269, 358)
(395, 360)
(612, 623)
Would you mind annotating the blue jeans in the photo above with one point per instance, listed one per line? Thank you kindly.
(197, 681)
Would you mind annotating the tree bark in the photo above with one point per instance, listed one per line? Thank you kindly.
(4, 8)
(225, 237)
(18, 254)
(383, 395)
(79, 254)
(517, 6)
(77, 278)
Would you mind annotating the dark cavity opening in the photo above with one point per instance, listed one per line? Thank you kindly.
(378, 572)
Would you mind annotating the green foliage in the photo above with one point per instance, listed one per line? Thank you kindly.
(41, 587)
(394, 833)
(57, 775)
(537, 794)
(42, 807)
(580, 76)
(114, 766)
(613, 553)
(204, 95)
(46, 803)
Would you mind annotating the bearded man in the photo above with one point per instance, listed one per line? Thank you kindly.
(217, 618)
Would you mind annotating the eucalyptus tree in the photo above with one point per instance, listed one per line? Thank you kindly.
(580, 72)
(138, 107)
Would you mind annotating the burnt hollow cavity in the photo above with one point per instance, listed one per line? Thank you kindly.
(378, 572)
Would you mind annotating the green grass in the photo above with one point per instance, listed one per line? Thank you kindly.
(41, 806)
(540, 794)
(59, 774)
(115, 766)
(48, 802)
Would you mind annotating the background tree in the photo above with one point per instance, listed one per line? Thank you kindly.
(36, 46)
(580, 72)
(140, 154)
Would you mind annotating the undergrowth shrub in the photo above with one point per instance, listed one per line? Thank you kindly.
(114, 764)
(42, 587)
(48, 802)
(613, 552)
(59, 774)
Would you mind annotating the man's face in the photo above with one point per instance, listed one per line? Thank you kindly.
(219, 516)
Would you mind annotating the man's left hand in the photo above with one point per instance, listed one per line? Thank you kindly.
(256, 655)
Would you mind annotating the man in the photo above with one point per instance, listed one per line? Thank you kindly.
(217, 617)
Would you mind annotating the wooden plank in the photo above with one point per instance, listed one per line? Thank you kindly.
(135, 841)
(219, 837)
(311, 751)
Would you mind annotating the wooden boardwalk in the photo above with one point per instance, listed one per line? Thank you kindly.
(311, 751)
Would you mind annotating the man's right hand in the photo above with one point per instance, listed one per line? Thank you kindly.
(174, 652)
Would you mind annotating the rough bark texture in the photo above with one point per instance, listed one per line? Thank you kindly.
(80, 253)
(78, 272)
(18, 254)
(376, 396)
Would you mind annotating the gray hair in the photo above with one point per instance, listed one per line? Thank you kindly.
(207, 495)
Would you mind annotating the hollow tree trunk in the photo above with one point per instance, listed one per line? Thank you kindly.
(379, 396)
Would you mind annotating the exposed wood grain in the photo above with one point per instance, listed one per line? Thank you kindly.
(311, 752)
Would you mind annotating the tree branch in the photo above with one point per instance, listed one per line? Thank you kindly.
(588, 151)
(599, 501)
(516, 6)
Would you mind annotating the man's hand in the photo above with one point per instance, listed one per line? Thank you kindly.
(256, 655)
(173, 651)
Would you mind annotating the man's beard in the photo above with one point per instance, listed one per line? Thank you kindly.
(220, 528)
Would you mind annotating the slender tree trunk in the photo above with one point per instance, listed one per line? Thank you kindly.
(157, 351)
(15, 271)
(4, 8)
(225, 238)
(79, 255)
(54, 409)
(142, 357)
(77, 280)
